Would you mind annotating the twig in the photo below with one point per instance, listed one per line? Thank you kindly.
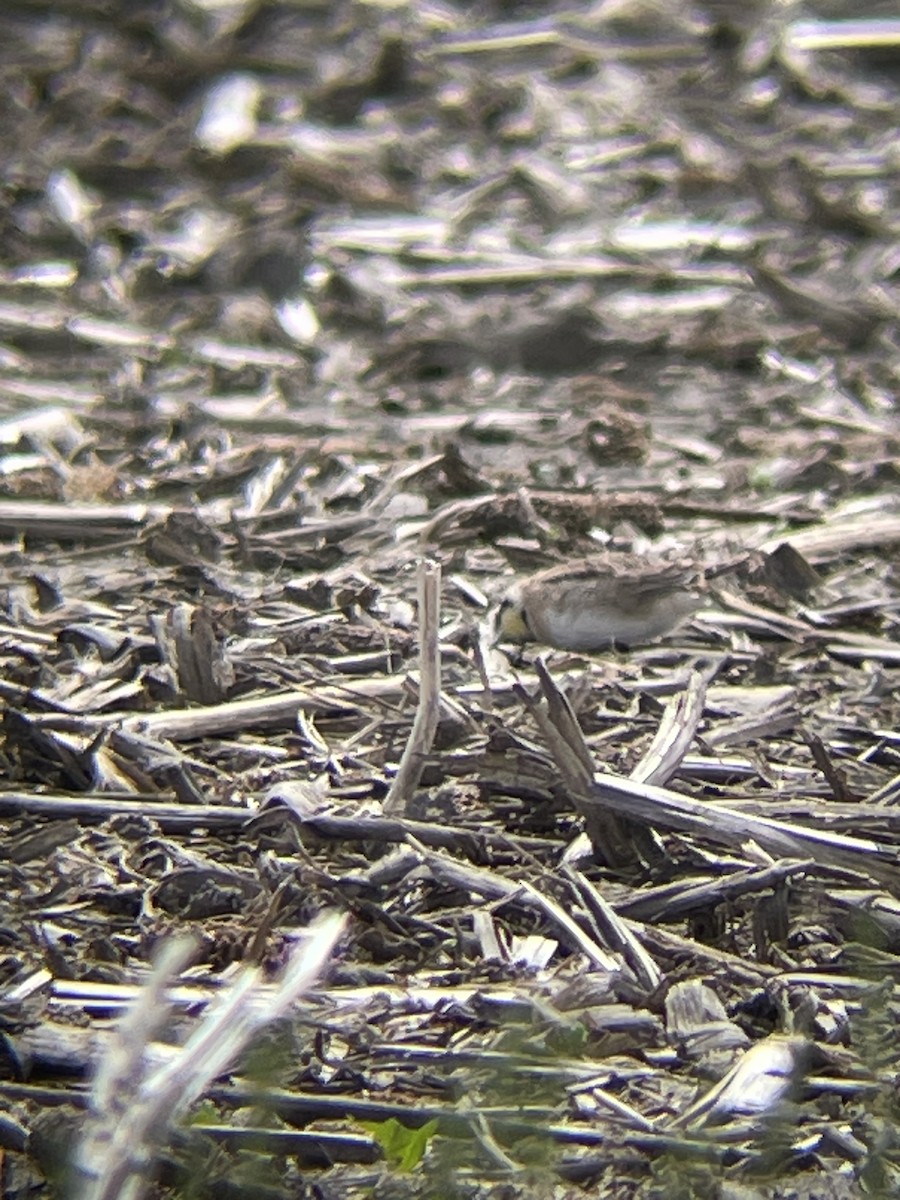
(607, 833)
(673, 737)
(485, 882)
(676, 731)
(255, 712)
(87, 522)
(135, 1101)
(104, 1166)
(425, 724)
(671, 810)
(615, 932)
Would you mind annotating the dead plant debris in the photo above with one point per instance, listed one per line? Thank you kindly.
(305, 308)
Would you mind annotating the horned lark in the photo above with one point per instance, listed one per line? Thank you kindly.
(617, 599)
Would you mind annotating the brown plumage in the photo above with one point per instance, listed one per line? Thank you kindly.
(614, 599)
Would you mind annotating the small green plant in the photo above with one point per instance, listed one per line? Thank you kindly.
(403, 1148)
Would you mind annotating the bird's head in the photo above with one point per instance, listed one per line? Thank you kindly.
(511, 623)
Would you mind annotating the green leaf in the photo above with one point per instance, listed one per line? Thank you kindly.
(403, 1148)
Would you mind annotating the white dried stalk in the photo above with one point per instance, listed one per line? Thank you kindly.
(425, 724)
(133, 1104)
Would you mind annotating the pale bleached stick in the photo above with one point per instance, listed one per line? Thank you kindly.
(135, 1100)
(103, 1167)
(425, 724)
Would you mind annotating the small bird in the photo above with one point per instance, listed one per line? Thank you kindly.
(616, 599)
